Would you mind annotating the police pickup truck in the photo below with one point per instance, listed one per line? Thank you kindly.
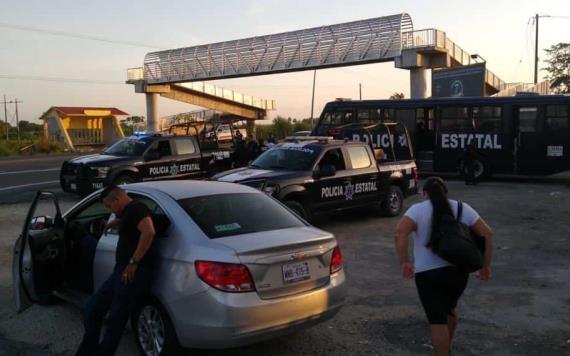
(142, 158)
(313, 175)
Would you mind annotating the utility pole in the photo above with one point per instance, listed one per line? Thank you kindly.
(16, 102)
(360, 90)
(536, 50)
(5, 116)
(313, 99)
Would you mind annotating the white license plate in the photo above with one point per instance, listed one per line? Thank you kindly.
(296, 272)
(73, 186)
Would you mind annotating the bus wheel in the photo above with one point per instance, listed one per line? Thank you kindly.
(481, 169)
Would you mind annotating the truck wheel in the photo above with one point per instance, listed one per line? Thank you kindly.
(124, 179)
(393, 202)
(297, 209)
(154, 332)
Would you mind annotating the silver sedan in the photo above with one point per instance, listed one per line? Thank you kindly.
(234, 265)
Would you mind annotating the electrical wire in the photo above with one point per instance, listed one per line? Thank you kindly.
(61, 80)
(77, 35)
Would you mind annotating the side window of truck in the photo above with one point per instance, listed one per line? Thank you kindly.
(334, 157)
(359, 157)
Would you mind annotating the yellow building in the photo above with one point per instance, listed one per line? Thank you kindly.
(87, 127)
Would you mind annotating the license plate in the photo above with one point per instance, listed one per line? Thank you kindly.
(296, 272)
(73, 186)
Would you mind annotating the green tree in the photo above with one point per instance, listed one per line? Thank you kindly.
(397, 96)
(558, 67)
(282, 127)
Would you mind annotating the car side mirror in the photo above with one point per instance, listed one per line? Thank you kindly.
(151, 156)
(41, 223)
(326, 170)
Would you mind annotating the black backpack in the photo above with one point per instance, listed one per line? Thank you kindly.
(455, 242)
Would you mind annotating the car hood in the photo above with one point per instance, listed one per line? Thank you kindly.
(98, 159)
(246, 173)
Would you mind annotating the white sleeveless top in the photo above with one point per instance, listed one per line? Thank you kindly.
(421, 214)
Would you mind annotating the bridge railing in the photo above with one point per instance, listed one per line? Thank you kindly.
(134, 74)
(432, 37)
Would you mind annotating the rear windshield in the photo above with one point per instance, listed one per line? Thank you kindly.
(236, 214)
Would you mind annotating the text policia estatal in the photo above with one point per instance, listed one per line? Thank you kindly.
(348, 190)
(482, 141)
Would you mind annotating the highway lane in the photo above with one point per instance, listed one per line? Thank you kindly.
(20, 177)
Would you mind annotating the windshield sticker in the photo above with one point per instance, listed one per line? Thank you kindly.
(227, 227)
(297, 147)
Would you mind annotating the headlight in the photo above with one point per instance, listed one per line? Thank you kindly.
(271, 189)
(101, 172)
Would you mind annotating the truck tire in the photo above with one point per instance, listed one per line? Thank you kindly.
(298, 209)
(393, 202)
(154, 331)
(124, 178)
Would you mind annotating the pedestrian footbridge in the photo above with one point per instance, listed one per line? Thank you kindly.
(375, 40)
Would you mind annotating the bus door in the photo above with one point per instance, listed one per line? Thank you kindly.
(528, 145)
(424, 137)
(556, 147)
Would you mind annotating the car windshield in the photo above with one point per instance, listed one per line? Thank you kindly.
(127, 147)
(238, 213)
(293, 157)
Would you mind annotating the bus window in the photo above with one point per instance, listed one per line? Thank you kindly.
(455, 119)
(367, 116)
(406, 117)
(341, 117)
(388, 115)
(488, 118)
(556, 117)
(527, 119)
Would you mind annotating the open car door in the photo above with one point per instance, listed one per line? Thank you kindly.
(39, 253)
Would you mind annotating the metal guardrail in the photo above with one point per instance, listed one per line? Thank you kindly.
(136, 74)
(435, 38)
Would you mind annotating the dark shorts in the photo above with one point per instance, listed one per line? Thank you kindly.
(439, 290)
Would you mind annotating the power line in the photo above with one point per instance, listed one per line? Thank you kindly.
(62, 80)
(77, 35)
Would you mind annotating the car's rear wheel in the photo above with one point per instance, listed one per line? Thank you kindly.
(154, 331)
(298, 209)
(393, 202)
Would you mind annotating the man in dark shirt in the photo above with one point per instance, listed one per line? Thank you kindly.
(131, 277)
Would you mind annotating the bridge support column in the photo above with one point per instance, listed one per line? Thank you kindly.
(418, 83)
(152, 117)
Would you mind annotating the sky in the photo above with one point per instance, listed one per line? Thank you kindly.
(499, 31)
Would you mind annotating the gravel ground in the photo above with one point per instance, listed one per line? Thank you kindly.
(523, 310)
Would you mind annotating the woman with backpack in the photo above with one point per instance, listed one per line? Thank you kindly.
(440, 283)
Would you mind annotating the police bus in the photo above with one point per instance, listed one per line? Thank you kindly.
(520, 135)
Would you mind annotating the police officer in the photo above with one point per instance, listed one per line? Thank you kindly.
(469, 158)
(131, 277)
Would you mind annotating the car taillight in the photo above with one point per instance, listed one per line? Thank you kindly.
(227, 277)
(336, 260)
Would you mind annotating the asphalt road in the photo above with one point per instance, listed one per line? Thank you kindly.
(523, 310)
(20, 177)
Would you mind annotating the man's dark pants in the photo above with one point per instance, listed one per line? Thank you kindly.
(117, 298)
